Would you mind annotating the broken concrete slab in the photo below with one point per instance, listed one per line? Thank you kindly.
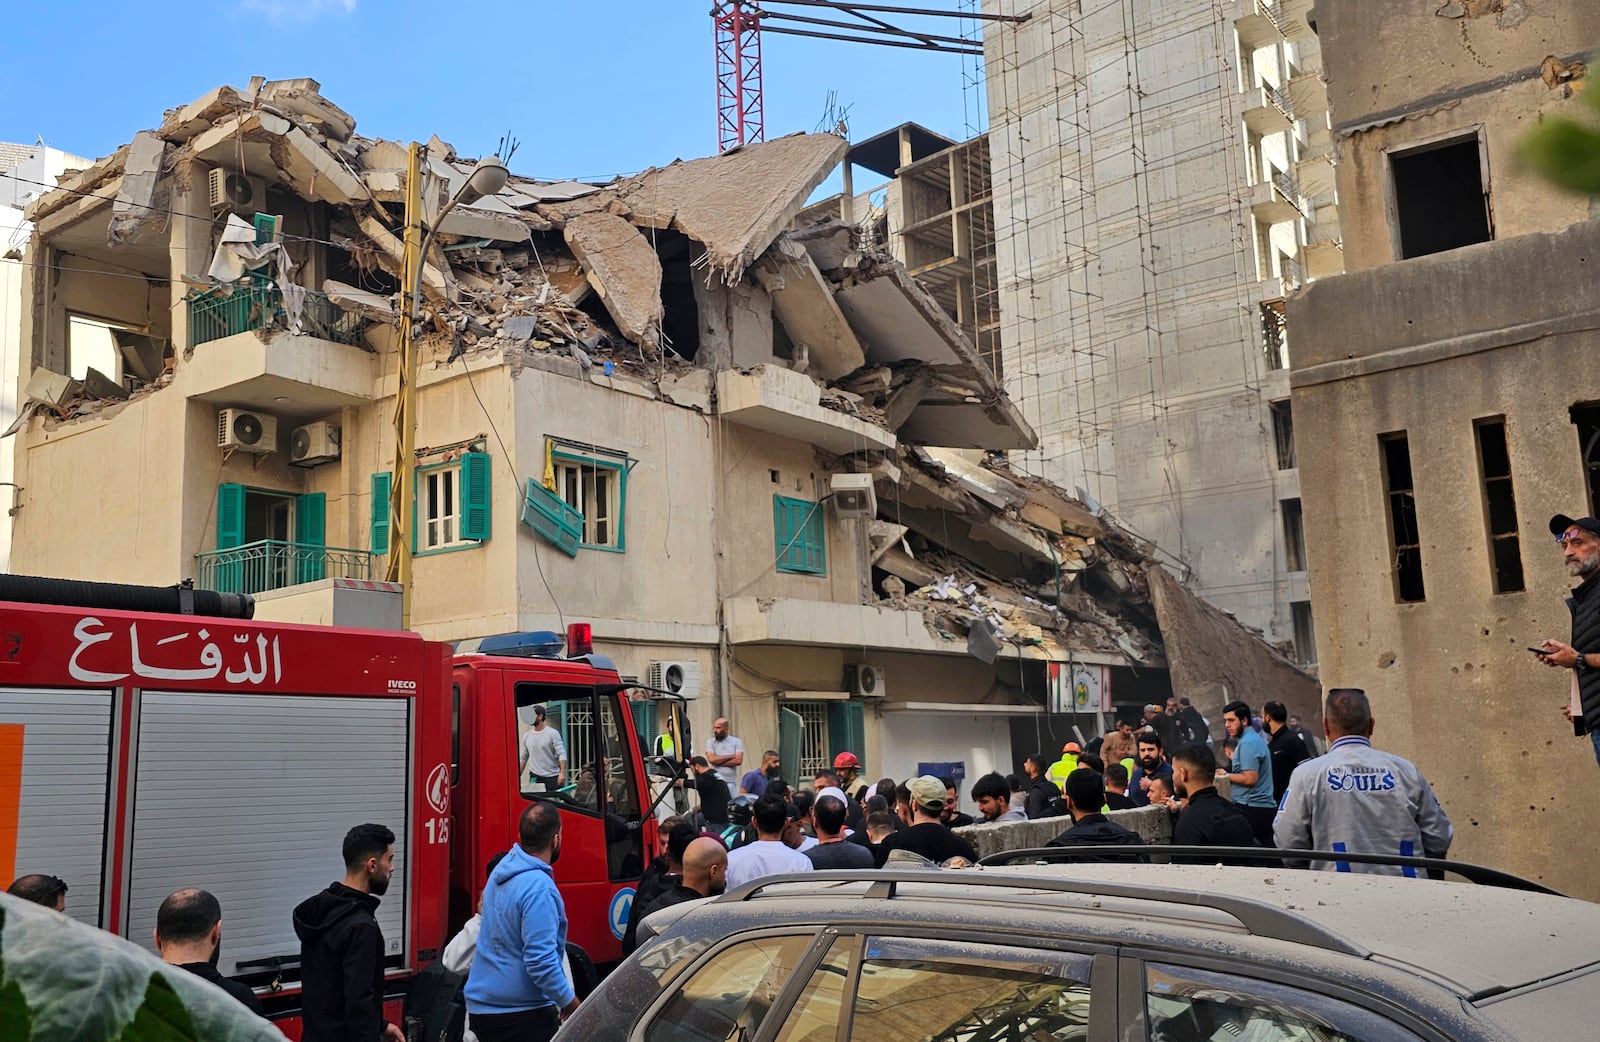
(624, 270)
(359, 301)
(737, 203)
(804, 304)
(830, 242)
(70, 187)
(302, 98)
(691, 389)
(136, 198)
(783, 402)
(994, 489)
(392, 251)
(181, 124)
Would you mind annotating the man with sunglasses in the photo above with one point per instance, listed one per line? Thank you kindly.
(41, 890)
(1579, 539)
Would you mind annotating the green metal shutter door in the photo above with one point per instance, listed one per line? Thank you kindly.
(230, 533)
(790, 728)
(847, 729)
(382, 489)
(644, 722)
(310, 537)
(475, 512)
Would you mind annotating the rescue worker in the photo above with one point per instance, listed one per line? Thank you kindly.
(848, 769)
(1066, 765)
(1359, 799)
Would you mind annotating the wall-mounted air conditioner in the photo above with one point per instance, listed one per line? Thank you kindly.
(853, 495)
(242, 194)
(314, 443)
(247, 431)
(864, 681)
(680, 678)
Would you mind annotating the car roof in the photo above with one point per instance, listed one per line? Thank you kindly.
(1480, 940)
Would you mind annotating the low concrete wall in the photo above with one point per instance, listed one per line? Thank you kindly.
(1151, 823)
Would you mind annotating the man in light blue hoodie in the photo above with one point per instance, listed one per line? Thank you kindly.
(517, 989)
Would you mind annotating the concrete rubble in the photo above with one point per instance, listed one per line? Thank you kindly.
(577, 279)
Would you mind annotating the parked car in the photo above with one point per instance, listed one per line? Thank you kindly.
(1106, 952)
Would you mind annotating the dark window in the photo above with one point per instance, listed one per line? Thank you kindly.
(1305, 635)
(729, 996)
(1405, 543)
(1283, 434)
(1294, 536)
(1586, 418)
(1500, 505)
(1440, 199)
(1274, 334)
(1185, 1003)
(455, 733)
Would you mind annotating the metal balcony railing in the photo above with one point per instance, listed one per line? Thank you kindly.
(257, 304)
(1286, 186)
(1279, 20)
(272, 564)
(1282, 101)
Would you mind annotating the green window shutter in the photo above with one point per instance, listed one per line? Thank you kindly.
(382, 489)
(266, 226)
(310, 537)
(551, 516)
(474, 486)
(847, 729)
(644, 722)
(815, 540)
(230, 516)
(799, 538)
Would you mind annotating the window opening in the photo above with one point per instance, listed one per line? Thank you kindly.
(1294, 536)
(440, 505)
(1441, 201)
(1586, 417)
(1305, 634)
(593, 489)
(680, 321)
(801, 541)
(814, 746)
(1283, 433)
(1500, 506)
(1405, 542)
(1275, 334)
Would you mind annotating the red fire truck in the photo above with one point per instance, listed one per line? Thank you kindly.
(143, 751)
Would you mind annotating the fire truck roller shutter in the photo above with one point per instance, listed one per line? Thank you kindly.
(249, 796)
(61, 809)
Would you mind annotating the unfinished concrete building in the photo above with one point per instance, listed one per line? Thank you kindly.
(1162, 179)
(745, 454)
(1448, 406)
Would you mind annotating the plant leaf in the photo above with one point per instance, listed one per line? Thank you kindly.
(1566, 153)
(81, 984)
(14, 1014)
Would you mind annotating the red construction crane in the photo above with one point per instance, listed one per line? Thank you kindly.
(738, 24)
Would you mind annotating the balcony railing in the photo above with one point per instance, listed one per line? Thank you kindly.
(257, 304)
(272, 564)
(1279, 20)
(1280, 98)
(1289, 188)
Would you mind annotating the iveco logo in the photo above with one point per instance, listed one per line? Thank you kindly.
(402, 685)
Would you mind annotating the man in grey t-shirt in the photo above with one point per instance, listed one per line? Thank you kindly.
(543, 755)
(725, 753)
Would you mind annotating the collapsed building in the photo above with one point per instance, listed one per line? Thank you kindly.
(762, 460)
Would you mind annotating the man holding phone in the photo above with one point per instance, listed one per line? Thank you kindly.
(1579, 539)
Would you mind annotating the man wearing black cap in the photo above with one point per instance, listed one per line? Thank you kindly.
(1580, 549)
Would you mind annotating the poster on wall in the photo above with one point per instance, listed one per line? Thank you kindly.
(1076, 688)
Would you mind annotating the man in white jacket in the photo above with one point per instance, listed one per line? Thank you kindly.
(1357, 799)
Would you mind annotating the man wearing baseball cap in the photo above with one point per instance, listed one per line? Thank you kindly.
(927, 835)
(1579, 538)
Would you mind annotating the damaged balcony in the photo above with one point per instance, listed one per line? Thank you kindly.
(274, 564)
(786, 403)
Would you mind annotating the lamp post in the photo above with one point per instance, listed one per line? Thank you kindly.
(487, 178)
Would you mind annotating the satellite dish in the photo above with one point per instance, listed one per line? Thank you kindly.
(247, 428)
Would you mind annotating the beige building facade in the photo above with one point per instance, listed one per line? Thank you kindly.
(1445, 411)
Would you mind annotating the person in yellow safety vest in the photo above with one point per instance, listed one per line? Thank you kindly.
(1066, 765)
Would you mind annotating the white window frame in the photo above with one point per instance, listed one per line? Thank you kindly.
(602, 513)
(441, 488)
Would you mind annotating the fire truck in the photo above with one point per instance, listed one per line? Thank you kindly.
(152, 739)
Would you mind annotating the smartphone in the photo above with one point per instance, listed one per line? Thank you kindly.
(1539, 651)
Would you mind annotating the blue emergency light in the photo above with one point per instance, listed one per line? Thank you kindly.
(531, 644)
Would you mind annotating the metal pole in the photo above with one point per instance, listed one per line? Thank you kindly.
(402, 491)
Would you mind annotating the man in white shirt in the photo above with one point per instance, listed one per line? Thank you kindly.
(725, 753)
(770, 854)
(543, 755)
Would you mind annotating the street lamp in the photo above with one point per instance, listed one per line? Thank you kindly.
(487, 178)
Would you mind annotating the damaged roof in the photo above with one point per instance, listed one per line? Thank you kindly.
(583, 262)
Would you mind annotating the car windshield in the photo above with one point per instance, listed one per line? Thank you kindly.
(1549, 1011)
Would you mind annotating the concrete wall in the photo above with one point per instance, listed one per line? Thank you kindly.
(1422, 347)
(1424, 75)
(1129, 281)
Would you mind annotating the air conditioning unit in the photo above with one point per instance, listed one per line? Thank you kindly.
(864, 681)
(314, 443)
(240, 193)
(680, 678)
(853, 495)
(247, 431)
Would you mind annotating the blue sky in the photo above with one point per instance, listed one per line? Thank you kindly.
(589, 88)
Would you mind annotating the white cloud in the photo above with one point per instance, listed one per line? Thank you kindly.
(298, 10)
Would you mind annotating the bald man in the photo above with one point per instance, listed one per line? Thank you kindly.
(188, 935)
(705, 868)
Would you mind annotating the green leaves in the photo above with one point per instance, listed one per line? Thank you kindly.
(62, 981)
(1566, 151)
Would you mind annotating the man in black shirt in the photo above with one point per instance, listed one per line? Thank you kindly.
(1194, 724)
(927, 835)
(1086, 794)
(1116, 782)
(1284, 746)
(189, 936)
(1207, 819)
(705, 868)
(832, 851)
(713, 792)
